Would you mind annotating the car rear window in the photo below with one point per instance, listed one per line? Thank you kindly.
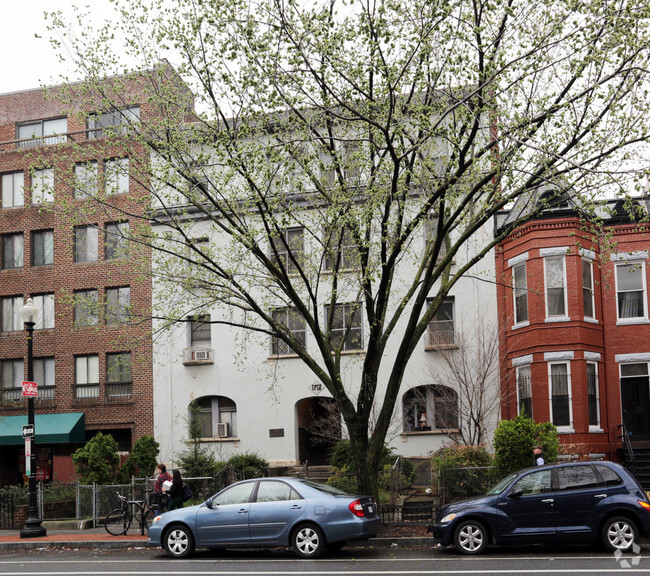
(577, 478)
(609, 476)
(325, 488)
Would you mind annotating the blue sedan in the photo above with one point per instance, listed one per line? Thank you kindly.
(556, 504)
(310, 517)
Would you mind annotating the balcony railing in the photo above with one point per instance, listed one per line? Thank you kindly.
(14, 394)
(196, 356)
(118, 391)
(86, 391)
(441, 338)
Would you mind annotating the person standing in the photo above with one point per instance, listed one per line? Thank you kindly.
(162, 476)
(176, 491)
(539, 458)
(159, 497)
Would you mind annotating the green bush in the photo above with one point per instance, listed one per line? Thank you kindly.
(249, 465)
(464, 471)
(144, 455)
(341, 456)
(97, 460)
(514, 440)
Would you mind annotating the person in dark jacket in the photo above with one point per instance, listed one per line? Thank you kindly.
(176, 491)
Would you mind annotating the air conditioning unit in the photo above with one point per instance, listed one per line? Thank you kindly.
(223, 430)
(201, 354)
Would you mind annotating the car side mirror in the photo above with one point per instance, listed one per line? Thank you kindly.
(209, 504)
(516, 493)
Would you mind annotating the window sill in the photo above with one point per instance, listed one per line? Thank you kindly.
(276, 357)
(227, 439)
(435, 432)
(552, 320)
(197, 362)
(631, 321)
(595, 429)
(434, 347)
(591, 320)
(520, 325)
(566, 430)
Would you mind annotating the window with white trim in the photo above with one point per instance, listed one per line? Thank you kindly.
(86, 376)
(116, 176)
(42, 247)
(430, 407)
(39, 132)
(45, 305)
(217, 416)
(441, 331)
(44, 371)
(13, 190)
(631, 290)
(346, 326)
(295, 324)
(524, 391)
(559, 376)
(588, 304)
(593, 395)
(86, 308)
(13, 374)
(85, 180)
(11, 318)
(118, 305)
(13, 251)
(116, 243)
(43, 186)
(85, 244)
(520, 283)
(555, 282)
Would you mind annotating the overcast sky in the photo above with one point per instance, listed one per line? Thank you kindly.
(28, 61)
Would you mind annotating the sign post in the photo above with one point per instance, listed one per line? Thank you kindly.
(28, 456)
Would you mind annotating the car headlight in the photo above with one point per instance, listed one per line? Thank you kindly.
(159, 517)
(447, 518)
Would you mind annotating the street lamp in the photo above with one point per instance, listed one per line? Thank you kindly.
(32, 528)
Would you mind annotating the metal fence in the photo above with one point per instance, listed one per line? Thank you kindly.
(459, 483)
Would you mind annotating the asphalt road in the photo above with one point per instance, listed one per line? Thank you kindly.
(362, 561)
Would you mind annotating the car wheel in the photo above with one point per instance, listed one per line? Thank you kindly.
(308, 541)
(178, 541)
(471, 537)
(619, 533)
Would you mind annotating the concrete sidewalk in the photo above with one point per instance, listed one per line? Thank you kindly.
(74, 535)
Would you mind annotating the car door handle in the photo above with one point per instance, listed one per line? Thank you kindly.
(548, 501)
(296, 507)
(243, 511)
(600, 496)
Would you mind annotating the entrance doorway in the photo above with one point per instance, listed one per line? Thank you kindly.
(319, 429)
(635, 401)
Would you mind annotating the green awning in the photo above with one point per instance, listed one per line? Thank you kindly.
(69, 428)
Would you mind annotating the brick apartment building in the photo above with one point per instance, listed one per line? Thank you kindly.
(92, 342)
(574, 327)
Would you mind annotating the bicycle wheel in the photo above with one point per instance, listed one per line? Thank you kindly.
(117, 522)
(148, 516)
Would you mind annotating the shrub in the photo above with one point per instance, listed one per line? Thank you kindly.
(514, 440)
(464, 471)
(249, 465)
(97, 460)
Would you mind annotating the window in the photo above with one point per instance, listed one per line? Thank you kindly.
(560, 387)
(200, 332)
(346, 332)
(44, 372)
(237, 494)
(116, 173)
(85, 308)
(290, 249)
(85, 180)
(42, 132)
(217, 416)
(118, 305)
(85, 244)
(610, 478)
(441, 331)
(430, 408)
(12, 251)
(577, 478)
(45, 305)
(555, 277)
(116, 244)
(430, 234)
(521, 293)
(118, 374)
(275, 491)
(11, 319)
(592, 394)
(86, 376)
(524, 391)
(341, 252)
(588, 288)
(630, 290)
(294, 323)
(113, 122)
(43, 186)
(534, 483)
(13, 190)
(13, 374)
(42, 247)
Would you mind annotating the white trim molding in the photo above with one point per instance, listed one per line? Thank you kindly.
(588, 254)
(564, 355)
(593, 356)
(522, 360)
(554, 251)
(636, 357)
(517, 259)
(624, 256)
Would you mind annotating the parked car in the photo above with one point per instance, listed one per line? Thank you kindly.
(555, 504)
(307, 516)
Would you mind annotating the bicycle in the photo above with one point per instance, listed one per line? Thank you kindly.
(118, 521)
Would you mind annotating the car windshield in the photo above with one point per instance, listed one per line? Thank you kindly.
(325, 488)
(501, 485)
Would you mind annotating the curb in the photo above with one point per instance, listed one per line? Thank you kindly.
(413, 542)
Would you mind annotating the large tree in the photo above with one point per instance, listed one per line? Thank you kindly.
(371, 125)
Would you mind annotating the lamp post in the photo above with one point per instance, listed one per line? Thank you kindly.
(32, 528)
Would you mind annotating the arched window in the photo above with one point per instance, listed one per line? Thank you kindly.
(217, 416)
(430, 408)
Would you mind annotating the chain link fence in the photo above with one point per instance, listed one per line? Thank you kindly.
(459, 483)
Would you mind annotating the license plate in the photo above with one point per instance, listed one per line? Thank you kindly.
(371, 509)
